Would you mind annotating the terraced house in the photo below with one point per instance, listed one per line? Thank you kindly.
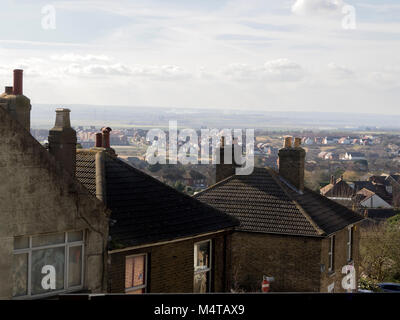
(286, 231)
(161, 241)
(53, 232)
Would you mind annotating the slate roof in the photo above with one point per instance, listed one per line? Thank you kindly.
(145, 210)
(264, 202)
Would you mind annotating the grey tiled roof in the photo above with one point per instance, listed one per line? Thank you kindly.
(145, 210)
(263, 202)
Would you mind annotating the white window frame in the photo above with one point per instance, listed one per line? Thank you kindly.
(203, 270)
(350, 236)
(67, 245)
(331, 254)
(143, 286)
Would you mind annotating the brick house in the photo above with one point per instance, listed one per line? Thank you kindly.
(161, 241)
(53, 232)
(286, 231)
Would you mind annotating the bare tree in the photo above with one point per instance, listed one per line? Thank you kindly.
(380, 252)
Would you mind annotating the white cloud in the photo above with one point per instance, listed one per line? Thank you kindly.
(76, 69)
(162, 72)
(72, 57)
(340, 71)
(316, 7)
(281, 70)
(385, 78)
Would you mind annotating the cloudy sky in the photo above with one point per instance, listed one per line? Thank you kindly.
(287, 55)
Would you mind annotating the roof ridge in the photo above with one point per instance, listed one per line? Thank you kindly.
(215, 185)
(274, 175)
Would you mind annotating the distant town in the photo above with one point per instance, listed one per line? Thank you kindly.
(354, 155)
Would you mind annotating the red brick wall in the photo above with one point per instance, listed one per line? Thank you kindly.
(171, 266)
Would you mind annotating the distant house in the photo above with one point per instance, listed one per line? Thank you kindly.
(286, 231)
(339, 191)
(369, 199)
(330, 140)
(308, 141)
(195, 179)
(161, 240)
(353, 156)
(326, 155)
(344, 140)
(337, 188)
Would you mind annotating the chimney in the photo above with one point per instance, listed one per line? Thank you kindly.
(106, 137)
(18, 90)
(8, 90)
(333, 180)
(291, 163)
(99, 140)
(16, 103)
(225, 170)
(62, 140)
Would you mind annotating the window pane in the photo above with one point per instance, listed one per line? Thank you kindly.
(202, 255)
(201, 282)
(75, 266)
(21, 243)
(20, 275)
(50, 239)
(75, 236)
(135, 271)
(54, 260)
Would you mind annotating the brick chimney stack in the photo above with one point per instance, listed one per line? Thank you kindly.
(291, 163)
(106, 137)
(16, 103)
(18, 89)
(225, 169)
(62, 140)
(99, 140)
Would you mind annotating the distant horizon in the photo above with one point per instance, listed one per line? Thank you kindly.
(151, 116)
(215, 108)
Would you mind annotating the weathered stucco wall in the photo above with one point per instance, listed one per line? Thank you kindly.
(37, 196)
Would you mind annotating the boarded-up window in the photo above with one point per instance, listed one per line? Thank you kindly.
(135, 274)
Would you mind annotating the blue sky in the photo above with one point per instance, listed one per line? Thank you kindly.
(290, 55)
